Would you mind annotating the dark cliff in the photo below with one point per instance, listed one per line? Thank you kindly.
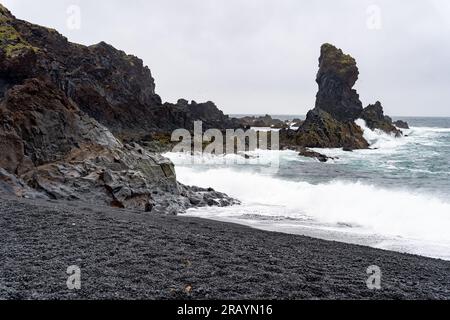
(60, 106)
(109, 85)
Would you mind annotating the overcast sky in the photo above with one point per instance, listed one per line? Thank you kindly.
(256, 56)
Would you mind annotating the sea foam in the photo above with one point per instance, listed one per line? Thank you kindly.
(395, 213)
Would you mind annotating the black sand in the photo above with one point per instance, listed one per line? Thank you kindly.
(130, 255)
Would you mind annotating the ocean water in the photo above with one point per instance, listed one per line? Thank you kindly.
(394, 197)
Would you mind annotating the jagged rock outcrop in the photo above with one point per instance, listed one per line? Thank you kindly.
(401, 124)
(321, 130)
(183, 114)
(374, 117)
(337, 75)
(62, 153)
(305, 152)
(51, 146)
(10, 184)
(263, 121)
(331, 124)
(109, 85)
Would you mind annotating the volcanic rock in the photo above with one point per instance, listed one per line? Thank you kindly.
(321, 130)
(401, 124)
(264, 121)
(183, 115)
(107, 84)
(331, 124)
(337, 75)
(305, 152)
(375, 119)
(60, 104)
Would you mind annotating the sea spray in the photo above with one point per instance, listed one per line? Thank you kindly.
(382, 211)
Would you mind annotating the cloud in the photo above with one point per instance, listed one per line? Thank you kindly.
(256, 56)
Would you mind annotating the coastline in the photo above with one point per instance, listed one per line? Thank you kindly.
(126, 254)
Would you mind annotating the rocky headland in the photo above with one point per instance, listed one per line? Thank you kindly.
(72, 118)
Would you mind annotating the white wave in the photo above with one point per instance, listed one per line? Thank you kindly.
(379, 139)
(428, 129)
(260, 158)
(264, 129)
(394, 213)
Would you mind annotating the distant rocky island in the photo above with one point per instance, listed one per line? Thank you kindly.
(85, 123)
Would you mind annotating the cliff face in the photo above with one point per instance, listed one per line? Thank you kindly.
(60, 104)
(114, 88)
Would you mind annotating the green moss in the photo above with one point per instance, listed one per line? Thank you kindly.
(342, 64)
(11, 41)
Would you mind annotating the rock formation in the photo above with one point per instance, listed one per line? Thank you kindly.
(183, 114)
(401, 124)
(107, 84)
(321, 130)
(60, 104)
(331, 124)
(337, 75)
(375, 119)
(263, 121)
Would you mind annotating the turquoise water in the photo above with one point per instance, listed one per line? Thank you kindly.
(395, 196)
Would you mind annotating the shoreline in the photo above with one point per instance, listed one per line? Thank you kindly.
(127, 254)
(332, 233)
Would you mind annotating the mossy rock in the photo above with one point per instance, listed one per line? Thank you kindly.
(11, 42)
(342, 65)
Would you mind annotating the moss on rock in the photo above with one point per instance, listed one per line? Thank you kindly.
(11, 42)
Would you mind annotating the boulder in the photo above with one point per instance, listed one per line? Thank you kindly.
(11, 185)
(305, 152)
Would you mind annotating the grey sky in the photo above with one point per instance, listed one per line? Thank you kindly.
(256, 56)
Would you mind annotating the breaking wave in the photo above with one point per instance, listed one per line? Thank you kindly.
(396, 193)
(394, 213)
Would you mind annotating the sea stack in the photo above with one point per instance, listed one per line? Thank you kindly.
(331, 124)
(337, 75)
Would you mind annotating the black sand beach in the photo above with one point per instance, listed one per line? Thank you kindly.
(133, 255)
